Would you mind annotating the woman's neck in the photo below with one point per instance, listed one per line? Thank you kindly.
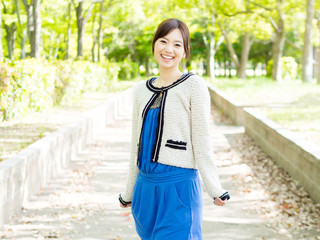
(167, 77)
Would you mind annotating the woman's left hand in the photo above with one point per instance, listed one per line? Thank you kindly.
(219, 202)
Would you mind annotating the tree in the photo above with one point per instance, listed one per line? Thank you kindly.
(82, 18)
(34, 26)
(229, 14)
(273, 11)
(100, 33)
(1, 48)
(319, 49)
(212, 46)
(23, 38)
(67, 55)
(307, 61)
(10, 27)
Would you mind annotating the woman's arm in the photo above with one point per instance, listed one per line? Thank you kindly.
(201, 138)
(133, 168)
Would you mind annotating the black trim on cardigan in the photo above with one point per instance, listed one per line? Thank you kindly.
(157, 91)
(123, 202)
(144, 114)
(156, 147)
(176, 144)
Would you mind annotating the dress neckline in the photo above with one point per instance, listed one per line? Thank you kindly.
(175, 83)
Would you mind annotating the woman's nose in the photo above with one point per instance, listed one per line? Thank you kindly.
(169, 48)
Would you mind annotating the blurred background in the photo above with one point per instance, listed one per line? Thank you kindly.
(263, 53)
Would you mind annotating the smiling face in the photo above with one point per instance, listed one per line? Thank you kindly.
(169, 50)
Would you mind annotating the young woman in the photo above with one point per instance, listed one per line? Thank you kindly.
(170, 142)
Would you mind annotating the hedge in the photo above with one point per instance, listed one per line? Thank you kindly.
(36, 84)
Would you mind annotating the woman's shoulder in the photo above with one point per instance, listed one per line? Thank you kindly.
(140, 85)
(197, 80)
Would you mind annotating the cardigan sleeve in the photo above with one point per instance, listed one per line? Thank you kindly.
(201, 138)
(133, 168)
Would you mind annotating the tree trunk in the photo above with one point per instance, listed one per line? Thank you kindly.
(100, 35)
(35, 44)
(212, 48)
(147, 66)
(278, 44)
(307, 61)
(1, 49)
(277, 50)
(30, 22)
(81, 21)
(67, 56)
(80, 29)
(314, 61)
(11, 37)
(24, 32)
(230, 48)
(23, 44)
(319, 53)
(212, 53)
(34, 26)
(318, 64)
(210, 45)
(94, 39)
(246, 45)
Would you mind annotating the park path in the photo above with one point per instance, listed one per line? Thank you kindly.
(81, 203)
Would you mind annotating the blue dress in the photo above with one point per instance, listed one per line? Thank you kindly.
(167, 200)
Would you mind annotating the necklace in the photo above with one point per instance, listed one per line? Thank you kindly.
(158, 84)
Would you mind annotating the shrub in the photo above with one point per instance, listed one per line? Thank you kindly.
(289, 68)
(36, 84)
(128, 70)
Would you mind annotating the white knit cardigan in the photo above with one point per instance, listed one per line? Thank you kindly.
(186, 120)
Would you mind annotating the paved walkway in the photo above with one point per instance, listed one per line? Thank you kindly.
(81, 203)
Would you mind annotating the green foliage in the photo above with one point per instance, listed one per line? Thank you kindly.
(31, 87)
(289, 68)
(128, 70)
(36, 84)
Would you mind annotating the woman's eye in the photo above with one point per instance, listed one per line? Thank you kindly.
(162, 41)
(178, 45)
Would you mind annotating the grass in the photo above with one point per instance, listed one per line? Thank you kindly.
(264, 91)
(293, 104)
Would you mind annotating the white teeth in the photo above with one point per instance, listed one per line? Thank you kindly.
(166, 57)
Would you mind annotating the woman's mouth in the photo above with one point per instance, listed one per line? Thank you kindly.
(166, 58)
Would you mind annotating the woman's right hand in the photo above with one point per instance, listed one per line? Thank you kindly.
(219, 202)
(125, 206)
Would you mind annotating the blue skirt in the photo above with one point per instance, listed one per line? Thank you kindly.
(168, 206)
(167, 200)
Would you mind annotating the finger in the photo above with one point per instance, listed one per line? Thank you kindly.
(219, 202)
